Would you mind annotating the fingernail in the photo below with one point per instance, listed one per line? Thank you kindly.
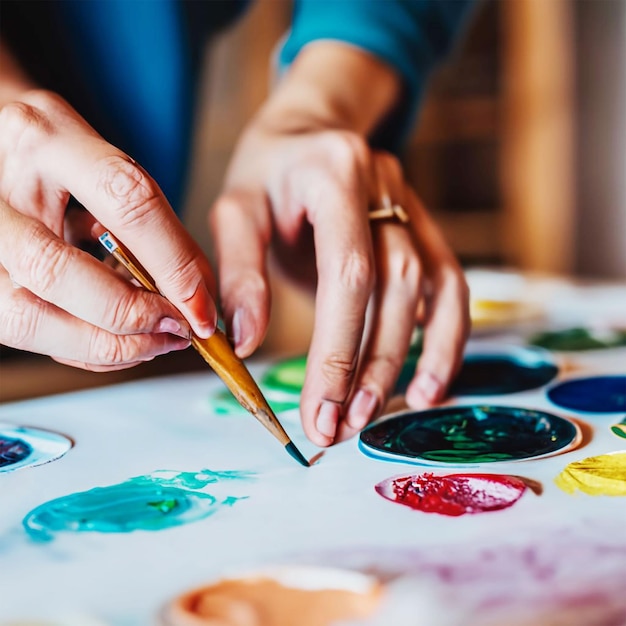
(203, 309)
(239, 319)
(327, 419)
(361, 409)
(171, 344)
(428, 385)
(173, 327)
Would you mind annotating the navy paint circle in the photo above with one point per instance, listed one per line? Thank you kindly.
(597, 394)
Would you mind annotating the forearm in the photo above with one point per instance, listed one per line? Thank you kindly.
(13, 80)
(334, 85)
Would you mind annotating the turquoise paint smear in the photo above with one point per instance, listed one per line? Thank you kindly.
(157, 501)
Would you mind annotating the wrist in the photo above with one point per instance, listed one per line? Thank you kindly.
(332, 85)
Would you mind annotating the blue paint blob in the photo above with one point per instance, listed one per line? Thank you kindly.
(597, 394)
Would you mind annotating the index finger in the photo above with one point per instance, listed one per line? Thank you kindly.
(124, 198)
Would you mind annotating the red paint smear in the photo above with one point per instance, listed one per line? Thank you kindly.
(454, 494)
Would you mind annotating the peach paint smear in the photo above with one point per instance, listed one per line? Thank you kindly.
(267, 601)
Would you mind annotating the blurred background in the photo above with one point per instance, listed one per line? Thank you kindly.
(519, 152)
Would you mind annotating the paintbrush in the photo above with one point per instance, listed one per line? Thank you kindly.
(218, 353)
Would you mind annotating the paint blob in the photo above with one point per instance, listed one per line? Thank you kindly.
(619, 429)
(317, 596)
(13, 450)
(494, 374)
(492, 313)
(22, 446)
(454, 494)
(282, 383)
(286, 376)
(157, 501)
(598, 394)
(603, 475)
(467, 435)
(579, 339)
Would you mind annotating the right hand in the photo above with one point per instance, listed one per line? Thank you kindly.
(56, 299)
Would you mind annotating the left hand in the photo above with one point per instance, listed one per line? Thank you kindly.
(301, 182)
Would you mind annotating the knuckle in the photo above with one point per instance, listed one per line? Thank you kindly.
(356, 271)
(106, 348)
(23, 125)
(134, 194)
(184, 275)
(337, 372)
(248, 284)
(128, 313)
(46, 101)
(403, 266)
(20, 318)
(350, 143)
(43, 261)
(347, 148)
(384, 366)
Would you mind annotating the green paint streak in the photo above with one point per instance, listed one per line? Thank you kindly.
(286, 376)
(619, 429)
(282, 383)
(157, 501)
(579, 339)
(165, 506)
(224, 403)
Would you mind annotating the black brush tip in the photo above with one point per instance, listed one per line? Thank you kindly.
(296, 454)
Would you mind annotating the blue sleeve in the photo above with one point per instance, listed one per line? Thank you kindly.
(410, 35)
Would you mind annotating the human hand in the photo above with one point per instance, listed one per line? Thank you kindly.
(56, 299)
(304, 191)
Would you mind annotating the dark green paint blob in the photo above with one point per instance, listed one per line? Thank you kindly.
(157, 501)
(579, 339)
(472, 434)
(495, 374)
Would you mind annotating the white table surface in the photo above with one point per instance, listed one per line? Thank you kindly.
(541, 555)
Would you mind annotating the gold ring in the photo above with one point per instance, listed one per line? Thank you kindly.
(388, 210)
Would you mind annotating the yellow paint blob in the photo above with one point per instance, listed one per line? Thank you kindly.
(603, 475)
